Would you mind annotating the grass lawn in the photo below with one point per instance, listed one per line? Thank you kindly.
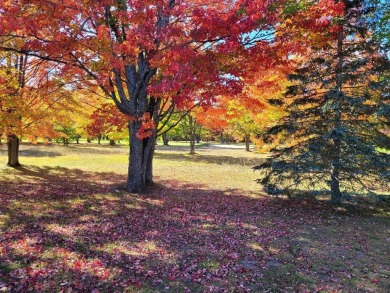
(66, 225)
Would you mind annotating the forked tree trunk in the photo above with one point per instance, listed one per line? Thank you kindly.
(13, 150)
(140, 173)
(247, 140)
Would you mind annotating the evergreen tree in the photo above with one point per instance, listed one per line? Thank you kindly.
(338, 116)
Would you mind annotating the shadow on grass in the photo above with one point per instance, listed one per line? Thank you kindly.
(65, 229)
(34, 153)
(210, 159)
(99, 148)
(54, 150)
(38, 153)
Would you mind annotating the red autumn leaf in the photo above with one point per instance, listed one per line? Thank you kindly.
(96, 264)
(105, 275)
(77, 265)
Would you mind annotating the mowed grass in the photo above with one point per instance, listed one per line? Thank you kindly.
(67, 225)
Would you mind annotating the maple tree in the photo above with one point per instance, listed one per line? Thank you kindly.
(250, 113)
(172, 119)
(337, 107)
(192, 123)
(244, 116)
(143, 52)
(176, 126)
(87, 101)
(73, 117)
(107, 120)
(242, 122)
(214, 119)
(29, 100)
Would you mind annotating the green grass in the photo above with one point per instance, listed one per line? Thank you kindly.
(383, 150)
(67, 224)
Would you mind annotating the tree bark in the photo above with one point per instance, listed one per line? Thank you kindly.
(112, 142)
(136, 177)
(149, 155)
(336, 160)
(140, 174)
(165, 138)
(13, 151)
(154, 110)
(198, 134)
(247, 140)
(192, 134)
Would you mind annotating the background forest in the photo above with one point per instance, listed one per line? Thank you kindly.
(307, 78)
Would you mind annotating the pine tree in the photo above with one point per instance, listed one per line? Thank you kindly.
(338, 116)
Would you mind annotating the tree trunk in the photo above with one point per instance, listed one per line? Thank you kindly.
(112, 142)
(13, 150)
(88, 140)
(165, 138)
(192, 134)
(335, 183)
(336, 162)
(99, 138)
(140, 174)
(140, 107)
(154, 109)
(247, 140)
(136, 178)
(198, 134)
(77, 140)
(149, 154)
